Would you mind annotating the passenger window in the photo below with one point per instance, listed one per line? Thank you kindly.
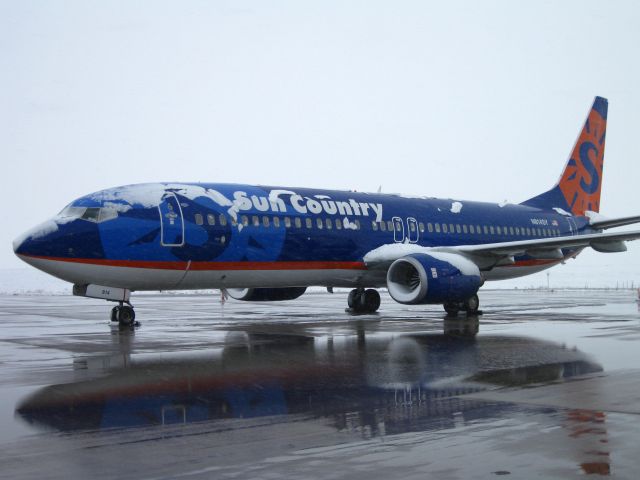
(458, 229)
(319, 223)
(421, 226)
(383, 226)
(328, 223)
(498, 230)
(298, 222)
(308, 222)
(199, 219)
(374, 226)
(511, 231)
(472, 229)
(451, 228)
(245, 220)
(485, 230)
(357, 224)
(265, 221)
(465, 229)
(445, 229)
(492, 229)
(390, 226)
(430, 227)
(437, 227)
(223, 220)
(276, 222)
(287, 222)
(339, 224)
(256, 221)
(412, 227)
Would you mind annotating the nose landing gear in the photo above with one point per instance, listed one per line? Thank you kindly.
(125, 315)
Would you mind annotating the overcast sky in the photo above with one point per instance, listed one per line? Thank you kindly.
(463, 99)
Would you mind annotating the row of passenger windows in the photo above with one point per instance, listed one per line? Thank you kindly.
(287, 222)
(384, 226)
(488, 230)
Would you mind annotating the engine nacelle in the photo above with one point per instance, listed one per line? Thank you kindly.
(266, 294)
(433, 278)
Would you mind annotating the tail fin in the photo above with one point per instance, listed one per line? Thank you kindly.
(578, 189)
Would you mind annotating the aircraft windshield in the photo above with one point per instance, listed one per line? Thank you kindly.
(90, 214)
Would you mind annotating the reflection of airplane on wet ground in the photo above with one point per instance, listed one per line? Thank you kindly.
(259, 375)
(270, 243)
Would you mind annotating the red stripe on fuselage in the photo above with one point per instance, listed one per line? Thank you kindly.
(204, 266)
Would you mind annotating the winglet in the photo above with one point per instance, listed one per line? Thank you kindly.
(578, 189)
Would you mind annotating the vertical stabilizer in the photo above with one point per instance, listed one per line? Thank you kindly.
(578, 189)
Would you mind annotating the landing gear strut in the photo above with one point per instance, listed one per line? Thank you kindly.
(364, 301)
(124, 315)
(471, 305)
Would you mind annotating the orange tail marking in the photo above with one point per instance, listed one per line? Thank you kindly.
(581, 180)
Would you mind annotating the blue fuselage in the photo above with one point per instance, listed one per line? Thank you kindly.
(170, 236)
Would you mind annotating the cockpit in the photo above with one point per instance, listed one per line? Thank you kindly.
(90, 214)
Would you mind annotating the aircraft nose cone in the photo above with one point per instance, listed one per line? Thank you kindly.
(32, 242)
(18, 243)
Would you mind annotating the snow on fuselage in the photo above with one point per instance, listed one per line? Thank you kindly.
(190, 236)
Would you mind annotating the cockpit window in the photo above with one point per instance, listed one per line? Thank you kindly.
(107, 214)
(90, 214)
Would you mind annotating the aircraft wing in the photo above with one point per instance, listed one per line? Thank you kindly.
(604, 223)
(488, 255)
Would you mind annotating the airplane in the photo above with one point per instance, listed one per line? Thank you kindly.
(263, 243)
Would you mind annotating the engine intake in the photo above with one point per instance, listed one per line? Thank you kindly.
(433, 278)
(266, 294)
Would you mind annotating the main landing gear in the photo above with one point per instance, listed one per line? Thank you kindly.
(363, 301)
(124, 315)
(470, 305)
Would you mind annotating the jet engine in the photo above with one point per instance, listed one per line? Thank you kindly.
(266, 294)
(436, 277)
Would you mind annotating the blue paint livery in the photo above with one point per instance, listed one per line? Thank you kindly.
(211, 235)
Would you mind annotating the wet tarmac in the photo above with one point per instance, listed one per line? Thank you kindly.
(544, 384)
